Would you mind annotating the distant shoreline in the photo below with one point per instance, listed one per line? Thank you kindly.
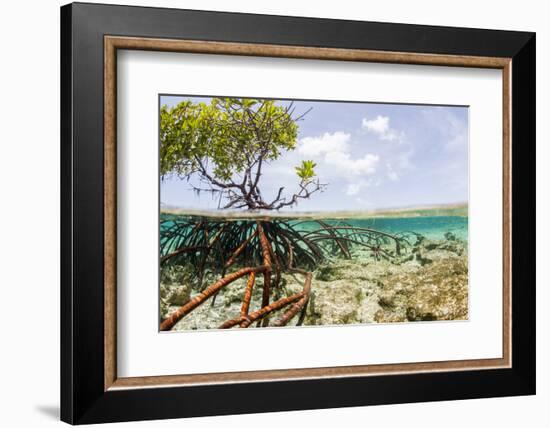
(459, 209)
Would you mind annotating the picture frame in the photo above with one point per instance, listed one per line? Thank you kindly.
(91, 35)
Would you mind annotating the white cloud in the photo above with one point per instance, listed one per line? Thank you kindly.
(381, 127)
(453, 129)
(334, 155)
(326, 143)
(392, 175)
(334, 150)
(355, 187)
(458, 142)
(362, 166)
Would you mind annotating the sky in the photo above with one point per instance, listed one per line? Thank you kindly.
(370, 155)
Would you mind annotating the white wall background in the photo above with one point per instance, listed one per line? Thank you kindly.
(29, 214)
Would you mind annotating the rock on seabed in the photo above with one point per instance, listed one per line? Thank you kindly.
(429, 282)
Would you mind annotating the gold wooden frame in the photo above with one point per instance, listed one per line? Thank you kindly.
(113, 43)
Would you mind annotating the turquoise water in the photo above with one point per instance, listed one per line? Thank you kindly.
(433, 227)
(365, 267)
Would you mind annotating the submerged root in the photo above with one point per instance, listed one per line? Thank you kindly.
(169, 322)
(261, 247)
(247, 295)
(300, 305)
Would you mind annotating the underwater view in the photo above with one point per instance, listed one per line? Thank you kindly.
(269, 213)
(410, 266)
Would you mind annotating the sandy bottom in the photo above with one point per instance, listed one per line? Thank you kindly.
(428, 282)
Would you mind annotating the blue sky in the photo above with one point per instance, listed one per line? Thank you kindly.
(371, 156)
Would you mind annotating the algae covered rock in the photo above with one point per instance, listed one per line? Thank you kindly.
(174, 288)
(337, 303)
(437, 291)
(344, 292)
(428, 281)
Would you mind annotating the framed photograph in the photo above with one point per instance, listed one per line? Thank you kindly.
(306, 213)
